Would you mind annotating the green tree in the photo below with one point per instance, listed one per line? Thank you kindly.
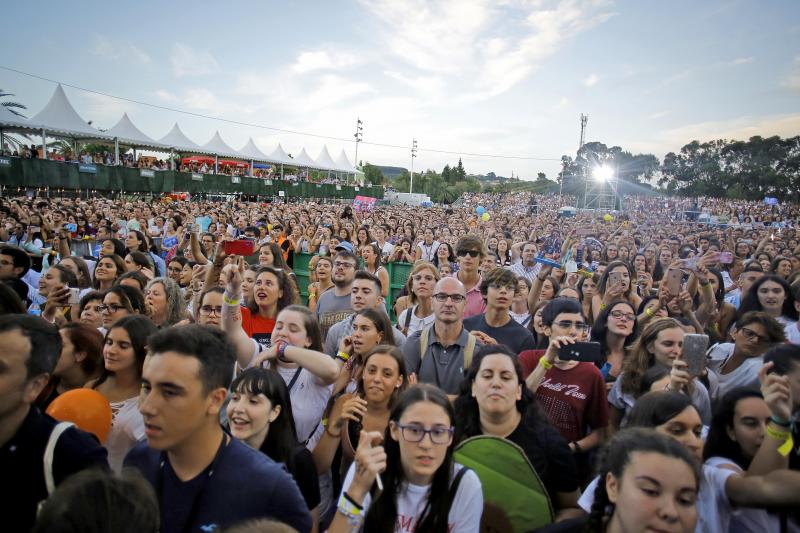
(373, 175)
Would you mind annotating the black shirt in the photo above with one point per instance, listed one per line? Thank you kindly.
(22, 466)
(517, 337)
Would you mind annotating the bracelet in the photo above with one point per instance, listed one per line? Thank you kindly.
(547, 365)
(281, 349)
(352, 501)
(577, 446)
(344, 356)
(229, 301)
(649, 313)
(785, 436)
(780, 422)
(332, 435)
(602, 306)
(350, 511)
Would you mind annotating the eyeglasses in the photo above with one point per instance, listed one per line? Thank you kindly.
(95, 308)
(343, 264)
(415, 433)
(751, 335)
(566, 324)
(442, 297)
(111, 308)
(471, 253)
(619, 315)
(207, 310)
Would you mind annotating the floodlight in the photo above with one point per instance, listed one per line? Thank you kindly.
(603, 173)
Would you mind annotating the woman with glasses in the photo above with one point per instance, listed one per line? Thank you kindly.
(412, 462)
(614, 329)
(209, 308)
(495, 400)
(120, 301)
(661, 343)
(124, 351)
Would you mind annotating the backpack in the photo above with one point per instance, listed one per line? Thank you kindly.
(49, 455)
(469, 349)
(514, 498)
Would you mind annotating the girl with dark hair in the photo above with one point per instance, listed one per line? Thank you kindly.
(773, 295)
(120, 301)
(136, 280)
(260, 415)
(124, 351)
(371, 255)
(614, 329)
(494, 400)
(271, 255)
(113, 247)
(420, 482)
(445, 256)
(403, 252)
(107, 270)
(370, 328)
(138, 261)
(622, 289)
(136, 241)
(80, 268)
(273, 291)
(672, 414)
(587, 288)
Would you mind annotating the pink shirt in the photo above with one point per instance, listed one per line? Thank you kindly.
(475, 302)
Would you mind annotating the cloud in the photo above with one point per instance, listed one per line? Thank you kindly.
(792, 80)
(311, 61)
(741, 61)
(166, 96)
(591, 80)
(103, 47)
(657, 115)
(186, 61)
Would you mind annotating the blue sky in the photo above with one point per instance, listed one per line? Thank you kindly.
(506, 77)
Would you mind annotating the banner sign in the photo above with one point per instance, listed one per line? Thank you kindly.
(236, 179)
(770, 201)
(145, 173)
(5, 162)
(364, 203)
(87, 169)
(197, 177)
(281, 193)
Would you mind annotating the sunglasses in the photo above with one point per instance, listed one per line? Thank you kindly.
(471, 253)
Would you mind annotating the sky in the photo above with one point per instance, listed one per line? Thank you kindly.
(505, 78)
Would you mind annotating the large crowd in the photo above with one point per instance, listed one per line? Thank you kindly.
(621, 372)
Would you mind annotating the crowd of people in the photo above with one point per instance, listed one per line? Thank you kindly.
(644, 363)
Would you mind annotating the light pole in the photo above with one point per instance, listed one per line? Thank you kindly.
(413, 155)
(359, 134)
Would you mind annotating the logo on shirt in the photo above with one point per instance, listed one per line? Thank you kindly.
(566, 389)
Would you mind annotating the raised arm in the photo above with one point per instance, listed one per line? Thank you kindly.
(232, 317)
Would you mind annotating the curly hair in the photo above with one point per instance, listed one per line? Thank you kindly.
(176, 308)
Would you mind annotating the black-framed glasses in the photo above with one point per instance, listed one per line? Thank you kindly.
(207, 310)
(343, 264)
(471, 253)
(415, 433)
(751, 335)
(568, 324)
(442, 297)
(619, 315)
(111, 308)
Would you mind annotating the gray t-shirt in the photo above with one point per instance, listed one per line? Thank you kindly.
(332, 309)
(443, 367)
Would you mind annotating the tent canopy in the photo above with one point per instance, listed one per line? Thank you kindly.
(59, 117)
(278, 155)
(9, 120)
(217, 146)
(343, 164)
(179, 141)
(303, 160)
(251, 151)
(325, 161)
(128, 133)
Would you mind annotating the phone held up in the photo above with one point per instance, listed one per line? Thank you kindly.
(585, 352)
(694, 352)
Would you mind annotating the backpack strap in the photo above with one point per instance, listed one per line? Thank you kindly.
(469, 350)
(407, 321)
(455, 483)
(49, 454)
(423, 343)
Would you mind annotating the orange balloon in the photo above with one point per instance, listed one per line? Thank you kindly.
(86, 408)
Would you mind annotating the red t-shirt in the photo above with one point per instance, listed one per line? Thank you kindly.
(257, 327)
(575, 401)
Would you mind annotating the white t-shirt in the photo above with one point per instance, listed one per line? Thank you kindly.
(746, 519)
(428, 252)
(744, 376)
(127, 428)
(792, 333)
(625, 401)
(416, 324)
(309, 397)
(465, 513)
(713, 507)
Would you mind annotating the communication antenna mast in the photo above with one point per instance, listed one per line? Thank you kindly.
(584, 120)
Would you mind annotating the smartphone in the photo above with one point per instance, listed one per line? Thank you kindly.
(33, 229)
(586, 352)
(71, 227)
(694, 352)
(583, 232)
(74, 296)
(240, 247)
(726, 258)
(674, 281)
(614, 278)
(189, 228)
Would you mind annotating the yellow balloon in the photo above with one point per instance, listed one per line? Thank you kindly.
(608, 218)
(485, 217)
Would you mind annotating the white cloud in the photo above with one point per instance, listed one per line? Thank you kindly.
(657, 115)
(311, 61)
(166, 96)
(105, 48)
(591, 80)
(186, 61)
(741, 61)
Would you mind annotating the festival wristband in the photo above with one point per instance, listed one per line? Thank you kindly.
(785, 436)
(649, 312)
(344, 356)
(780, 422)
(281, 350)
(350, 511)
(547, 365)
(603, 306)
(229, 301)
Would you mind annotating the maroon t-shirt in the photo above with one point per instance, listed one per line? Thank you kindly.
(575, 401)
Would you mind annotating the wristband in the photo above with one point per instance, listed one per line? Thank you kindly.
(785, 436)
(281, 350)
(577, 446)
(603, 306)
(344, 356)
(350, 511)
(229, 301)
(547, 365)
(647, 312)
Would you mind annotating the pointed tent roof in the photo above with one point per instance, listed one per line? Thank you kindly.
(343, 164)
(127, 132)
(9, 119)
(176, 139)
(325, 161)
(278, 155)
(303, 160)
(251, 151)
(59, 116)
(218, 147)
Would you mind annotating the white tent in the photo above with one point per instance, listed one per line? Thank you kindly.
(325, 161)
(278, 155)
(343, 164)
(59, 117)
(251, 151)
(218, 147)
(176, 139)
(128, 133)
(303, 160)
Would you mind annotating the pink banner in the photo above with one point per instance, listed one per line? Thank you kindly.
(363, 203)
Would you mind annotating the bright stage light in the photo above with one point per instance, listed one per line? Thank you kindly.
(603, 173)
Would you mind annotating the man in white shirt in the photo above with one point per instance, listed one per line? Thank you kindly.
(527, 268)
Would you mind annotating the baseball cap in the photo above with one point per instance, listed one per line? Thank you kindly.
(344, 245)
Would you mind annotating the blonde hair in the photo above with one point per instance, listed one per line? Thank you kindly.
(419, 266)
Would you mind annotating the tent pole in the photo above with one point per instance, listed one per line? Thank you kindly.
(44, 144)
(281, 171)
(216, 164)
(135, 162)
(171, 160)
(2, 141)
(251, 168)
(116, 151)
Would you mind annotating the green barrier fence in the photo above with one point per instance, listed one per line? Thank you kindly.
(398, 274)
(38, 173)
